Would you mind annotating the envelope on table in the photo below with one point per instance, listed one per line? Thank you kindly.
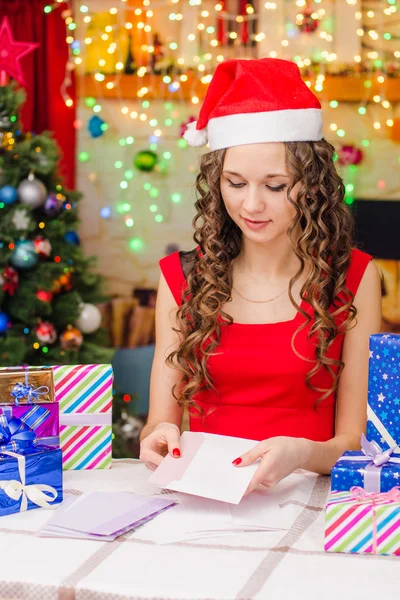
(104, 515)
(205, 467)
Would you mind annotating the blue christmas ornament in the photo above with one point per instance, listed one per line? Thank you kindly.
(96, 126)
(24, 256)
(72, 238)
(8, 194)
(4, 322)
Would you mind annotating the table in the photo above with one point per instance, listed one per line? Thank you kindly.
(258, 565)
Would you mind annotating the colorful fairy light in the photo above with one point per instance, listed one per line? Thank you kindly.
(136, 244)
(108, 71)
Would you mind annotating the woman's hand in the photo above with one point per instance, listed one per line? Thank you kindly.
(164, 438)
(280, 456)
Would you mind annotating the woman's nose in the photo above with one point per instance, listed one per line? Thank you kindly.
(253, 201)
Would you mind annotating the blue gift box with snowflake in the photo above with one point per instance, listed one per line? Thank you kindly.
(384, 390)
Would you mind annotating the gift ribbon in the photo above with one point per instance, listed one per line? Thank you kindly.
(18, 434)
(372, 472)
(359, 494)
(85, 419)
(383, 432)
(26, 390)
(40, 494)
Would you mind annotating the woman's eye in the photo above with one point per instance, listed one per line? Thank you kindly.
(235, 185)
(279, 188)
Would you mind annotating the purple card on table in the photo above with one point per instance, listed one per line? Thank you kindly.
(104, 515)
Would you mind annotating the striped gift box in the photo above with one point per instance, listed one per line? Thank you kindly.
(84, 394)
(358, 522)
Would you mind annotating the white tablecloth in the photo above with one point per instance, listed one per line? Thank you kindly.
(269, 565)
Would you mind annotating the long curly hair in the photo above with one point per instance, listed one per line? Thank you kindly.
(323, 249)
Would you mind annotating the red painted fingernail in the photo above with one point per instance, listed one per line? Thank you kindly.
(176, 452)
(237, 461)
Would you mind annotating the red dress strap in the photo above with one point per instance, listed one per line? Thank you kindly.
(358, 263)
(171, 268)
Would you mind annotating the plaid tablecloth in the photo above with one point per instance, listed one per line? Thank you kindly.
(273, 565)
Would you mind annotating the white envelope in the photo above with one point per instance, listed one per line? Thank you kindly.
(205, 467)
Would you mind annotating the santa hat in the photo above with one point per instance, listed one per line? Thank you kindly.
(255, 101)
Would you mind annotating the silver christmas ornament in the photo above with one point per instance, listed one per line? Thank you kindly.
(32, 192)
(5, 122)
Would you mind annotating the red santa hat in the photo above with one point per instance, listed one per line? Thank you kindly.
(256, 101)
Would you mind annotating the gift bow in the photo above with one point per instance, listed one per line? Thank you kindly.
(35, 493)
(373, 451)
(26, 390)
(372, 472)
(18, 434)
(359, 494)
(13, 438)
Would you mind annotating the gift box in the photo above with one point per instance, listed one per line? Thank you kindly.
(384, 390)
(30, 478)
(371, 469)
(26, 385)
(84, 395)
(27, 396)
(359, 522)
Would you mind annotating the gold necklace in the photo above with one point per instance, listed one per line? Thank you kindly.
(260, 301)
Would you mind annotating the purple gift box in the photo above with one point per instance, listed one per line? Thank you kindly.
(28, 403)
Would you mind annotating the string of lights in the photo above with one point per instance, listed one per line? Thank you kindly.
(180, 69)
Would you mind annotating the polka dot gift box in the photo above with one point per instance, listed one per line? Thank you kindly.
(384, 390)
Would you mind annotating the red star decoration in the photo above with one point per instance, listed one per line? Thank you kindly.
(11, 52)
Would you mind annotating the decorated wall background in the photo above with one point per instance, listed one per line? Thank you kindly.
(347, 52)
(129, 255)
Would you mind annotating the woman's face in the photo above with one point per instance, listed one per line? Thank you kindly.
(254, 184)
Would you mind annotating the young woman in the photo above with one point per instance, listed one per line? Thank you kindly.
(262, 330)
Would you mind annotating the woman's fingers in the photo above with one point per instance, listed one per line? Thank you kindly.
(149, 456)
(154, 447)
(151, 466)
(249, 457)
(258, 478)
(173, 436)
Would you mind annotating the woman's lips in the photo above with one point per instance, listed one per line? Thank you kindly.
(256, 224)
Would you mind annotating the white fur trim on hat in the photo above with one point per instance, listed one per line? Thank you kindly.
(195, 137)
(293, 125)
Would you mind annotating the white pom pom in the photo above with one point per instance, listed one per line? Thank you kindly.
(195, 137)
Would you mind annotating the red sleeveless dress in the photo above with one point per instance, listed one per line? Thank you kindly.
(260, 382)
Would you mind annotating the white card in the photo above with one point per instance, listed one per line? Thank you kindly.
(205, 467)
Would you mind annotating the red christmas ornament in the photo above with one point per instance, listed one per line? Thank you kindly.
(305, 22)
(46, 333)
(42, 246)
(9, 280)
(11, 53)
(44, 295)
(349, 155)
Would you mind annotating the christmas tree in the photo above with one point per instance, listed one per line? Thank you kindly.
(48, 288)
